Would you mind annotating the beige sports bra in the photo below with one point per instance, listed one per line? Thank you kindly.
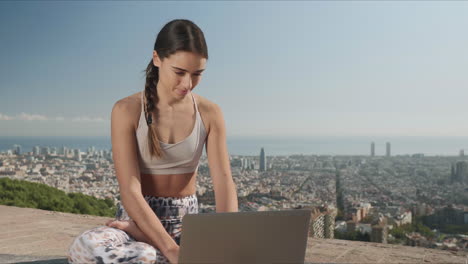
(180, 157)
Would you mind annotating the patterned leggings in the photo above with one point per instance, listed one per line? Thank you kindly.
(105, 244)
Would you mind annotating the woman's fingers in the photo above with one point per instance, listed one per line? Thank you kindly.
(109, 222)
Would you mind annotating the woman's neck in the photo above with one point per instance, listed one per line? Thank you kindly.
(167, 100)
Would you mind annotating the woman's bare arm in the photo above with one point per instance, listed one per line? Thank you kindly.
(218, 162)
(124, 151)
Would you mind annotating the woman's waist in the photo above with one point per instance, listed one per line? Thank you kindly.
(186, 192)
(167, 208)
(174, 186)
(172, 208)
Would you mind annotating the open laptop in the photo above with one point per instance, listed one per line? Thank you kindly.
(245, 237)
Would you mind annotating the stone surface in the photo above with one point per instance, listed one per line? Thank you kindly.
(39, 236)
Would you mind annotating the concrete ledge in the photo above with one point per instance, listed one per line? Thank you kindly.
(39, 236)
(27, 259)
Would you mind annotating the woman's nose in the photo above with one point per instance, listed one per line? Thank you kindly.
(187, 82)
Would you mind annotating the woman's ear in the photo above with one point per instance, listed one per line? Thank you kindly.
(156, 60)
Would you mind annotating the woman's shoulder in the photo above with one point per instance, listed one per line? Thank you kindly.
(206, 106)
(130, 103)
(129, 107)
(210, 111)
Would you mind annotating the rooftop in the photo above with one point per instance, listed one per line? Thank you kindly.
(39, 236)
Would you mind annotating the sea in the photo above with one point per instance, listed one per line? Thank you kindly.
(275, 145)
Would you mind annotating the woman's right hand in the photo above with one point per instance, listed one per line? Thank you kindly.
(173, 255)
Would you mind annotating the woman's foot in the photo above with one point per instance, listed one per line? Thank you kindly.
(130, 227)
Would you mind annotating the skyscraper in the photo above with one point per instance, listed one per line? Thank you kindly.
(77, 154)
(63, 150)
(262, 160)
(388, 150)
(36, 150)
(45, 150)
(372, 149)
(461, 172)
(17, 149)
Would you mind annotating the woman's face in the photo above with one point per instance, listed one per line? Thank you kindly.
(180, 72)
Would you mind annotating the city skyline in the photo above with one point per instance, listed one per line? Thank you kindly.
(299, 68)
(60, 148)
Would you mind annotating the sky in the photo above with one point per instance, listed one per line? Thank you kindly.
(305, 68)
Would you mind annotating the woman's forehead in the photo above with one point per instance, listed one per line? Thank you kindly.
(186, 60)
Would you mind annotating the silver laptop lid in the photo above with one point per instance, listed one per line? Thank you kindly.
(245, 237)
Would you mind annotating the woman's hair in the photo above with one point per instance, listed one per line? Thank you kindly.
(177, 35)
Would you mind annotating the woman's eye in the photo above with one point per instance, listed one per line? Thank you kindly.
(182, 73)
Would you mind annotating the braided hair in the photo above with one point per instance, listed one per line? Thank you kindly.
(178, 34)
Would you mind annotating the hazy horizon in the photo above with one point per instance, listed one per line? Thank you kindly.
(281, 145)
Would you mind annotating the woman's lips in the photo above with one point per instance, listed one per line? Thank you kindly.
(182, 92)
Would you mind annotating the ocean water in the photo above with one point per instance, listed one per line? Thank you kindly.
(82, 143)
(430, 146)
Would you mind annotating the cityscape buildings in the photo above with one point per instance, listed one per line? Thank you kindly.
(355, 193)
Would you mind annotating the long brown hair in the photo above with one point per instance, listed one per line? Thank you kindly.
(178, 34)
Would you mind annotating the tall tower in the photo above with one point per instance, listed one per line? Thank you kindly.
(388, 153)
(63, 150)
(17, 149)
(45, 150)
(262, 160)
(461, 174)
(77, 154)
(372, 149)
(36, 150)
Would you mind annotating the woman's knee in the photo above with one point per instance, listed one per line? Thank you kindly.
(79, 250)
(127, 252)
(84, 245)
(147, 253)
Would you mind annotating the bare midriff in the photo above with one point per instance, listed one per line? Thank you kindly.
(169, 185)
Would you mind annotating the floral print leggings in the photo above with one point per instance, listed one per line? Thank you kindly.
(105, 244)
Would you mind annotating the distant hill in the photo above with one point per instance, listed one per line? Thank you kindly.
(41, 196)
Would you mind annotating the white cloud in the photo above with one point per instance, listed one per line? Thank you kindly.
(88, 119)
(30, 117)
(5, 117)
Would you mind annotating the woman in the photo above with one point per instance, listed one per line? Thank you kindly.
(157, 140)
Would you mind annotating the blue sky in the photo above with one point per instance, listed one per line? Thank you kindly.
(276, 68)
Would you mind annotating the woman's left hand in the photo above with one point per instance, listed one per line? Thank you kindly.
(130, 227)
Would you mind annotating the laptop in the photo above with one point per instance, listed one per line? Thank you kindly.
(245, 237)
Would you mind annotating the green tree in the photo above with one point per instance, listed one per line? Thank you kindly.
(35, 195)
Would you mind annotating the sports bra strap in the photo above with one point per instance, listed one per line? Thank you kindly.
(194, 102)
